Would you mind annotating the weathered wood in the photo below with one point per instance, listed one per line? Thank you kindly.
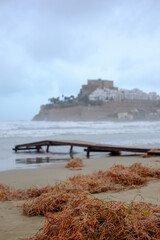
(71, 149)
(23, 148)
(154, 152)
(47, 149)
(38, 148)
(97, 150)
(111, 148)
(89, 147)
(88, 152)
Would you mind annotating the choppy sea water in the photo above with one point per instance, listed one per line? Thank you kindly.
(145, 134)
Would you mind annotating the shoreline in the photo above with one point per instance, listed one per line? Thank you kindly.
(15, 225)
(50, 174)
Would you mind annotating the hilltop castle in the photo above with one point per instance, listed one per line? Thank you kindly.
(101, 100)
(104, 90)
(94, 84)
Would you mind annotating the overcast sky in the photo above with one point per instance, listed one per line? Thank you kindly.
(51, 47)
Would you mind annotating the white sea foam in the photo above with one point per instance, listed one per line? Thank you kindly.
(42, 129)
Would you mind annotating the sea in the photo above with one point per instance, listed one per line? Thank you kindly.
(137, 134)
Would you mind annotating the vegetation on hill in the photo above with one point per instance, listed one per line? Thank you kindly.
(71, 101)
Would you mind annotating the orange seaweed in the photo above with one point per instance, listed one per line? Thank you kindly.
(116, 178)
(96, 219)
(72, 214)
(75, 164)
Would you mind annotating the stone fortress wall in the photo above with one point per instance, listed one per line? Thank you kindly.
(94, 84)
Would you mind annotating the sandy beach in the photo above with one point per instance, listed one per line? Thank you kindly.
(13, 225)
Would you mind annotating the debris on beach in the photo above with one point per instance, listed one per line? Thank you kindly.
(146, 155)
(9, 194)
(50, 203)
(151, 153)
(116, 178)
(75, 164)
(96, 219)
(72, 212)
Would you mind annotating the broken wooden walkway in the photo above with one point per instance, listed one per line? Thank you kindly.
(88, 147)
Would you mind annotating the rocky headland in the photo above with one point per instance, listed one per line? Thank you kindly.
(99, 100)
(127, 110)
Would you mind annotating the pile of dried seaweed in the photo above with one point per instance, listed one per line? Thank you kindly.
(85, 218)
(75, 164)
(72, 213)
(116, 178)
(8, 194)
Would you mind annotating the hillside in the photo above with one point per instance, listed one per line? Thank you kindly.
(101, 100)
(126, 110)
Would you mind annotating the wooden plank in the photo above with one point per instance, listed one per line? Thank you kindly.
(90, 146)
(47, 149)
(154, 152)
(84, 144)
(40, 143)
(28, 148)
(110, 148)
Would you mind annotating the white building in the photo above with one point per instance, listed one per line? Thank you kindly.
(98, 95)
(134, 94)
(153, 96)
(104, 95)
(107, 94)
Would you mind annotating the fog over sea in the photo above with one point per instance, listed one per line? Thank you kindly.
(145, 134)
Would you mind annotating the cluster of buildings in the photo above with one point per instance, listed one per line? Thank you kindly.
(106, 95)
(104, 90)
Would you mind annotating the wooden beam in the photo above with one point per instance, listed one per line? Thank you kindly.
(71, 149)
(38, 148)
(88, 152)
(47, 149)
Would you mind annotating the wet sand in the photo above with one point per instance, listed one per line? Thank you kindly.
(13, 225)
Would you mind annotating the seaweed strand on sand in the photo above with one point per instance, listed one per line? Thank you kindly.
(73, 213)
(116, 178)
